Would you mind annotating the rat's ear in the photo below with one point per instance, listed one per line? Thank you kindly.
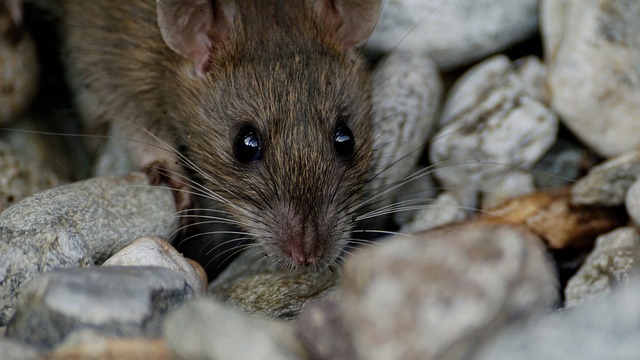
(193, 28)
(351, 21)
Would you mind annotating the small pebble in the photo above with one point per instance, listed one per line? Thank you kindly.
(254, 285)
(207, 329)
(108, 300)
(153, 251)
(614, 261)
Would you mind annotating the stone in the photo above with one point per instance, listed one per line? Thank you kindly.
(14, 350)
(114, 301)
(606, 328)
(564, 163)
(592, 50)
(607, 183)
(207, 329)
(512, 184)
(253, 284)
(614, 261)
(632, 202)
(153, 251)
(77, 225)
(437, 294)
(445, 209)
(453, 32)
(533, 73)
(322, 331)
(19, 68)
(490, 126)
(406, 100)
(19, 178)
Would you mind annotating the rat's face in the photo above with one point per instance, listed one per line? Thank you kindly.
(286, 144)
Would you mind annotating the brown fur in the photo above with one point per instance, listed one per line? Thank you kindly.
(283, 70)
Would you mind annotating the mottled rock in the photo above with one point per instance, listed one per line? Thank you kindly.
(533, 73)
(437, 294)
(153, 251)
(607, 328)
(253, 284)
(453, 32)
(207, 329)
(406, 97)
(114, 301)
(19, 178)
(613, 262)
(443, 210)
(77, 225)
(607, 183)
(19, 66)
(593, 51)
(490, 126)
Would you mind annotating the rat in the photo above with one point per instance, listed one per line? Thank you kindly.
(268, 103)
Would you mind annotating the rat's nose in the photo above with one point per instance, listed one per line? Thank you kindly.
(303, 255)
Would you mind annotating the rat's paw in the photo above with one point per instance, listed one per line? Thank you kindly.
(160, 173)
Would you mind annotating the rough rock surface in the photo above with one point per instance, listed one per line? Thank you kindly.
(77, 225)
(490, 125)
(593, 52)
(207, 329)
(254, 285)
(114, 301)
(453, 32)
(438, 294)
(614, 261)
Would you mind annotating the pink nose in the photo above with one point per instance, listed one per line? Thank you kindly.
(303, 256)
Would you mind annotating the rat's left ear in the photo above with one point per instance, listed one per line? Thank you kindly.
(350, 21)
(195, 28)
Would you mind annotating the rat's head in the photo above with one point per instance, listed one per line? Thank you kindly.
(277, 116)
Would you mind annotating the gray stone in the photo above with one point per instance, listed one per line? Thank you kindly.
(437, 294)
(207, 329)
(20, 178)
(153, 251)
(14, 350)
(607, 183)
(253, 284)
(115, 301)
(592, 49)
(443, 210)
(453, 32)
(607, 328)
(490, 126)
(561, 165)
(614, 261)
(321, 329)
(77, 225)
(406, 97)
(632, 202)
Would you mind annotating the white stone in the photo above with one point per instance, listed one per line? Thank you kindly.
(153, 251)
(443, 210)
(592, 48)
(453, 32)
(632, 202)
(490, 126)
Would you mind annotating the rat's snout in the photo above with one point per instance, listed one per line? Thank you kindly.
(304, 251)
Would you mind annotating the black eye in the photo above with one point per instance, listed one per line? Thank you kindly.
(247, 146)
(343, 141)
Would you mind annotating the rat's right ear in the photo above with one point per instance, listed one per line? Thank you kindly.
(193, 28)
